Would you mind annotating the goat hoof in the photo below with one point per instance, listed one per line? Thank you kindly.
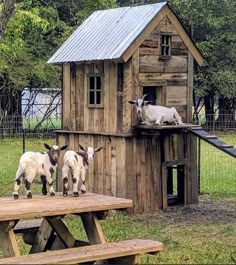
(83, 191)
(76, 194)
(16, 196)
(29, 195)
(52, 193)
(44, 192)
(65, 194)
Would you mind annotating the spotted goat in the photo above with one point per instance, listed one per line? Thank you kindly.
(34, 163)
(76, 164)
(153, 114)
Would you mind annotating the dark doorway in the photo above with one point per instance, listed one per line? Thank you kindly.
(151, 93)
(154, 94)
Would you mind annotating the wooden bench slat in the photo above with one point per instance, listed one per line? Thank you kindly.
(27, 225)
(89, 253)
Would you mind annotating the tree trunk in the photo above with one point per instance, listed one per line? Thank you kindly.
(10, 111)
(209, 111)
(226, 118)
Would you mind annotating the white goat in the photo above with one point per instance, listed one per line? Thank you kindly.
(35, 163)
(153, 114)
(77, 163)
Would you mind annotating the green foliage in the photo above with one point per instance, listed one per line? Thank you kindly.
(33, 34)
(213, 23)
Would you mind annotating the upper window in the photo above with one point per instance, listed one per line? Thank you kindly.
(165, 45)
(95, 91)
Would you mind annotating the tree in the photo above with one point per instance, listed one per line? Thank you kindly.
(214, 32)
(7, 11)
(36, 30)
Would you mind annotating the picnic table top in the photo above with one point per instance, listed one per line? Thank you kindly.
(41, 206)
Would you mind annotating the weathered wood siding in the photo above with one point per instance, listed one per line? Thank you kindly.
(131, 167)
(153, 69)
(77, 115)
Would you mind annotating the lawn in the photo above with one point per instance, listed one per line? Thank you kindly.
(203, 234)
(218, 170)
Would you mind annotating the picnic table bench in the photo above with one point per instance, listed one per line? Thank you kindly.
(49, 231)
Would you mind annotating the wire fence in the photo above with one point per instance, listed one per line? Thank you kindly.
(216, 122)
(217, 169)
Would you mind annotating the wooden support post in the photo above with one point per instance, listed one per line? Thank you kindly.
(8, 242)
(62, 231)
(164, 187)
(44, 234)
(180, 183)
(170, 184)
(93, 228)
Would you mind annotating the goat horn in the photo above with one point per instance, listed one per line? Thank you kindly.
(144, 96)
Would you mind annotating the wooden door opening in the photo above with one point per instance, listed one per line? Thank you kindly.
(154, 94)
(174, 184)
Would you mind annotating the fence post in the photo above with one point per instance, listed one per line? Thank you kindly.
(199, 166)
(23, 140)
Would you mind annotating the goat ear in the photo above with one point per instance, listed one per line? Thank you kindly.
(63, 147)
(47, 146)
(148, 102)
(132, 101)
(82, 148)
(98, 149)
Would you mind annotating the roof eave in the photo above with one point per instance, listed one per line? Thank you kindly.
(115, 60)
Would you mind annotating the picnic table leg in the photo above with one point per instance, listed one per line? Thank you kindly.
(92, 228)
(43, 236)
(8, 242)
(62, 231)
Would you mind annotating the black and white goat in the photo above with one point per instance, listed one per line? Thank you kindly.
(34, 163)
(77, 163)
(153, 114)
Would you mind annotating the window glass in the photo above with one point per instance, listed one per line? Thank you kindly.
(95, 92)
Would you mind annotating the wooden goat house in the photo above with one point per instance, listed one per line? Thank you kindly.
(106, 64)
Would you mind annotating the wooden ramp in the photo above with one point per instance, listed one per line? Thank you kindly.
(213, 140)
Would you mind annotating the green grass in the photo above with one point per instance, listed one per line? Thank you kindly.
(11, 150)
(218, 170)
(53, 123)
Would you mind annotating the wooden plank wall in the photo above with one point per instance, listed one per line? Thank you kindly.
(78, 116)
(119, 85)
(127, 167)
(174, 70)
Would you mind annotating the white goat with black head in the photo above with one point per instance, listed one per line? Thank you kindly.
(77, 164)
(34, 163)
(153, 114)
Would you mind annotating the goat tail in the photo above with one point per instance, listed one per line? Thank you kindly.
(19, 172)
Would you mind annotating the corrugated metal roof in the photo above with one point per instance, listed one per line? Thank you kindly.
(106, 34)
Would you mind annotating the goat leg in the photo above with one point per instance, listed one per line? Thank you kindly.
(44, 183)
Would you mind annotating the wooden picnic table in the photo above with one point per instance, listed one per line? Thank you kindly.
(53, 234)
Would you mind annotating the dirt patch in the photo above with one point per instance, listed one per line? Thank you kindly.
(210, 210)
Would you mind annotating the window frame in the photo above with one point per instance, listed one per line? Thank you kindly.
(95, 90)
(165, 45)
